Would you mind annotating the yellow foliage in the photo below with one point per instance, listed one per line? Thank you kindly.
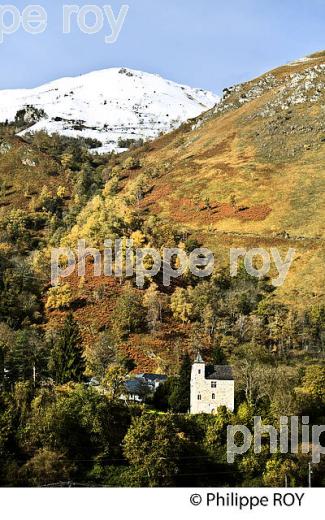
(61, 191)
(5, 247)
(181, 306)
(66, 160)
(99, 220)
(138, 238)
(59, 297)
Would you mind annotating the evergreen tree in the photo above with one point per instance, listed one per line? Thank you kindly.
(179, 399)
(218, 356)
(67, 362)
(26, 358)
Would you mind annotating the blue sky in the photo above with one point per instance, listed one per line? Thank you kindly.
(205, 43)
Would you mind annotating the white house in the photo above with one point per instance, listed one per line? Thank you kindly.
(142, 385)
(211, 387)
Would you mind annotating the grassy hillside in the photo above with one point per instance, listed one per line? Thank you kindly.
(23, 171)
(250, 172)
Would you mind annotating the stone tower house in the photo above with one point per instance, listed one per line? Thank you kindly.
(211, 387)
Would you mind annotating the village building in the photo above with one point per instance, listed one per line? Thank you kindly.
(141, 386)
(212, 386)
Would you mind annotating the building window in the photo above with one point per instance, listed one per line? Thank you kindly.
(213, 384)
(199, 397)
(213, 396)
(199, 371)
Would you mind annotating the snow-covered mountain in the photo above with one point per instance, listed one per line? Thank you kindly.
(109, 104)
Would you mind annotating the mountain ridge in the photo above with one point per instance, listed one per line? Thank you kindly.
(108, 105)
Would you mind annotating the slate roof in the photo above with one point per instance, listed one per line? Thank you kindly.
(152, 377)
(219, 372)
(136, 386)
(142, 384)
